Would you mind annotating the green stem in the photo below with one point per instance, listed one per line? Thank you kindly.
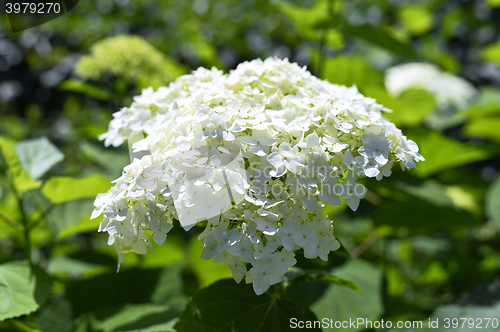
(11, 222)
(24, 221)
(324, 34)
(23, 327)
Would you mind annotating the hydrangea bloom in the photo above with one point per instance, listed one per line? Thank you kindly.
(449, 90)
(256, 154)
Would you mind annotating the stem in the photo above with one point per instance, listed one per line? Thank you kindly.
(23, 327)
(11, 222)
(322, 43)
(43, 216)
(24, 221)
(26, 231)
(367, 243)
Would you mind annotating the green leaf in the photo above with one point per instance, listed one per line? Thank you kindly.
(56, 316)
(417, 19)
(371, 34)
(29, 288)
(5, 296)
(491, 53)
(485, 128)
(38, 156)
(428, 202)
(493, 202)
(83, 225)
(60, 189)
(493, 3)
(349, 70)
(378, 37)
(409, 109)
(141, 317)
(158, 286)
(297, 276)
(16, 172)
(481, 303)
(110, 159)
(86, 89)
(304, 17)
(227, 306)
(443, 153)
(423, 215)
(69, 215)
(340, 303)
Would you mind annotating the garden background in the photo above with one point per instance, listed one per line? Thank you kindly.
(422, 244)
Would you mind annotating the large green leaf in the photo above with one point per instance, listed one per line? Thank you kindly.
(479, 308)
(493, 202)
(296, 275)
(6, 300)
(441, 152)
(38, 156)
(112, 160)
(381, 38)
(144, 317)
(485, 128)
(341, 304)
(416, 213)
(56, 316)
(374, 35)
(111, 291)
(409, 109)
(349, 70)
(60, 189)
(428, 201)
(482, 302)
(69, 214)
(227, 306)
(16, 172)
(29, 288)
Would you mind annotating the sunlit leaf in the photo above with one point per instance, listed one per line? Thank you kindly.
(409, 109)
(491, 53)
(29, 288)
(38, 156)
(417, 19)
(60, 189)
(485, 128)
(85, 88)
(442, 153)
(351, 70)
(17, 173)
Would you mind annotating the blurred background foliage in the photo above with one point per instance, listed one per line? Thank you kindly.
(422, 244)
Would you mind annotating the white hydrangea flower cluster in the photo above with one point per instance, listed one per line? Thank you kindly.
(449, 90)
(256, 154)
